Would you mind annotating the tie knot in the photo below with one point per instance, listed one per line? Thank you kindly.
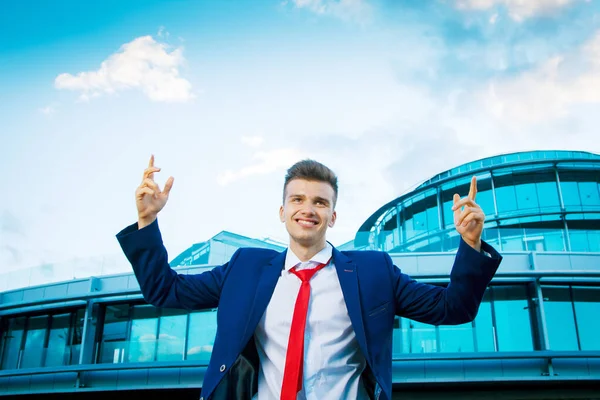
(305, 275)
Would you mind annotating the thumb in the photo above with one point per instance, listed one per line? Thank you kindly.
(168, 186)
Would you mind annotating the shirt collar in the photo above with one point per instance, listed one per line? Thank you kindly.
(291, 260)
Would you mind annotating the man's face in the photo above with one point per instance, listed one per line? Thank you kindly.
(307, 211)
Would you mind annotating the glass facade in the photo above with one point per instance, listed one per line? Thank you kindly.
(41, 340)
(536, 201)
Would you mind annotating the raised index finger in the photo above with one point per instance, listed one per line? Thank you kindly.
(151, 163)
(473, 189)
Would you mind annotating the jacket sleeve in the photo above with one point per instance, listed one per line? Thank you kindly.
(161, 286)
(455, 304)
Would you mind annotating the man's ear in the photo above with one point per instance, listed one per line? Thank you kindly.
(333, 218)
(281, 214)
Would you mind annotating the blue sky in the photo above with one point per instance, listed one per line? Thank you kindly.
(228, 94)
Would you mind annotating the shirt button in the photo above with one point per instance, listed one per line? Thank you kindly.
(222, 368)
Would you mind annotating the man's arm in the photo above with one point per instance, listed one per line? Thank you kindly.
(452, 305)
(160, 285)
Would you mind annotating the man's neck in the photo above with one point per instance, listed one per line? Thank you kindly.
(305, 253)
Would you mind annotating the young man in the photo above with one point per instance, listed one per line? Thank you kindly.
(311, 322)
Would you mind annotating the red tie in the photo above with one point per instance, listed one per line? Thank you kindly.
(294, 359)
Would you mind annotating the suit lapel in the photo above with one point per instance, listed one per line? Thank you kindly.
(264, 290)
(348, 276)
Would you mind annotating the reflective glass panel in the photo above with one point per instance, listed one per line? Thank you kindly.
(548, 195)
(76, 337)
(456, 338)
(58, 339)
(506, 199)
(484, 325)
(171, 335)
(114, 334)
(513, 323)
(34, 341)
(570, 194)
(588, 192)
(11, 342)
(201, 336)
(587, 304)
(527, 198)
(560, 320)
(422, 338)
(401, 342)
(142, 340)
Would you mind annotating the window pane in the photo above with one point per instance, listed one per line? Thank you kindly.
(57, 340)
(11, 342)
(401, 343)
(114, 335)
(422, 338)
(432, 219)
(527, 197)
(560, 320)
(76, 337)
(570, 194)
(484, 328)
(485, 200)
(203, 327)
(548, 195)
(34, 342)
(588, 192)
(513, 326)
(506, 199)
(171, 336)
(587, 304)
(456, 338)
(142, 342)
(579, 240)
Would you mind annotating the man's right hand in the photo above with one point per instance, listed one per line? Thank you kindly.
(148, 197)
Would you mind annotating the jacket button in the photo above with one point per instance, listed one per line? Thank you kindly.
(222, 368)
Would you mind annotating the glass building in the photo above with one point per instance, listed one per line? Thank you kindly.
(535, 336)
(534, 201)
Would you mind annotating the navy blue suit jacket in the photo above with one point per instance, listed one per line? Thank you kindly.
(373, 288)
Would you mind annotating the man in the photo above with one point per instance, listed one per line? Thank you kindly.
(311, 322)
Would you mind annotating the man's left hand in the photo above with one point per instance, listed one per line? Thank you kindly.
(469, 217)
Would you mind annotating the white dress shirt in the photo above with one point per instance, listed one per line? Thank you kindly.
(333, 362)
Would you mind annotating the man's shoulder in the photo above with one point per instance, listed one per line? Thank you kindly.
(364, 254)
(257, 252)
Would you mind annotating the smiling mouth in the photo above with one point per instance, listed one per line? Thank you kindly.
(306, 223)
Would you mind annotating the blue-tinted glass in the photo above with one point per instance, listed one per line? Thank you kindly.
(579, 240)
(11, 342)
(409, 230)
(506, 199)
(547, 195)
(484, 328)
(142, 340)
(594, 241)
(420, 223)
(512, 239)
(34, 342)
(422, 338)
(456, 338)
(588, 192)
(448, 214)
(570, 194)
(114, 334)
(554, 240)
(486, 202)
(171, 335)
(587, 304)
(527, 198)
(400, 342)
(560, 320)
(201, 336)
(432, 219)
(76, 337)
(56, 354)
(513, 324)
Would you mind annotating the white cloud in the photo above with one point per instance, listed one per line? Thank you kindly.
(48, 110)
(355, 10)
(253, 141)
(552, 90)
(518, 9)
(266, 162)
(142, 64)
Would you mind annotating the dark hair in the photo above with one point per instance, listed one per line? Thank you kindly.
(311, 170)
